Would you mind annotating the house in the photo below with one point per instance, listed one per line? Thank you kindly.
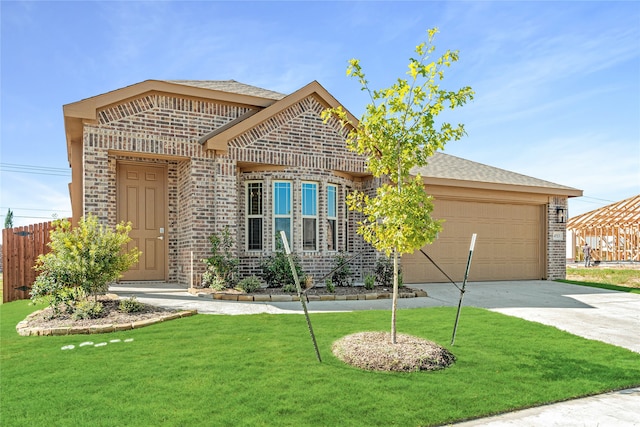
(184, 159)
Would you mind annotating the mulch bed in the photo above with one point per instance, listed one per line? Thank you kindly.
(111, 315)
(373, 351)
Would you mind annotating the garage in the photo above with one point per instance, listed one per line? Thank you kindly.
(509, 245)
(519, 221)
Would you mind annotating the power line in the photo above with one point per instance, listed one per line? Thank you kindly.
(34, 209)
(34, 170)
(38, 217)
(595, 198)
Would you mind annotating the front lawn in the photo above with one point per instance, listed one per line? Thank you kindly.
(262, 370)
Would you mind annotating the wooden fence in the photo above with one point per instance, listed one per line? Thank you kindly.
(20, 249)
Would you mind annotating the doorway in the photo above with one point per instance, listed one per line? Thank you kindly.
(141, 199)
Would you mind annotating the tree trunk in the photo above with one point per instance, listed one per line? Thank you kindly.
(394, 304)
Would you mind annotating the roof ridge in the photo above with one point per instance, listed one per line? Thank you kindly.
(231, 86)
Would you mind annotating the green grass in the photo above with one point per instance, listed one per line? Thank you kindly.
(605, 278)
(261, 370)
(603, 286)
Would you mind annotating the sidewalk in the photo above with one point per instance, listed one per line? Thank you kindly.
(598, 314)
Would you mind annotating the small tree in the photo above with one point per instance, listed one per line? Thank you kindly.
(8, 219)
(90, 256)
(398, 132)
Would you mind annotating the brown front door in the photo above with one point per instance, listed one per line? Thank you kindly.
(142, 200)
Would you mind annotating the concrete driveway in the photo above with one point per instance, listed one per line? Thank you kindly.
(598, 314)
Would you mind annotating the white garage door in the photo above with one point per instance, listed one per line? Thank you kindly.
(508, 247)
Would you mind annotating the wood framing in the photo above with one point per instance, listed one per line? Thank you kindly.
(613, 231)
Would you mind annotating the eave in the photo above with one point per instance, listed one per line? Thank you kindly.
(85, 111)
(447, 182)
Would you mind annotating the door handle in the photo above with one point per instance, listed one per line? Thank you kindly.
(160, 237)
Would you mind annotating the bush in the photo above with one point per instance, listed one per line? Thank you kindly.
(249, 284)
(89, 256)
(222, 265)
(276, 270)
(210, 280)
(330, 286)
(384, 272)
(343, 275)
(130, 305)
(369, 281)
(290, 288)
(87, 309)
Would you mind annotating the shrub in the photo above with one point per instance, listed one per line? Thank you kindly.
(330, 286)
(343, 275)
(369, 281)
(87, 309)
(276, 270)
(384, 272)
(130, 305)
(222, 265)
(249, 284)
(291, 288)
(89, 256)
(209, 279)
(54, 293)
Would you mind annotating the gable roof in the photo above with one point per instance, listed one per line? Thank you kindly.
(445, 169)
(218, 139)
(230, 91)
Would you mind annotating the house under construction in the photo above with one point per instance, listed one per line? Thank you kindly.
(613, 232)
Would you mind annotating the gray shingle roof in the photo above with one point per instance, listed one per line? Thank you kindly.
(446, 166)
(231, 86)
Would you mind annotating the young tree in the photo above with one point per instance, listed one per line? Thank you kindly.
(8, 219)
(90, 256)
(398, 132)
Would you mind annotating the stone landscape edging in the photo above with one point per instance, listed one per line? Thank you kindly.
(23, 329)
(241, 297)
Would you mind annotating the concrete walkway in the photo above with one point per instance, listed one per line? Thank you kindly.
(598, 314)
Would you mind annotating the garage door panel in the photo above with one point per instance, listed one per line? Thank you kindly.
(508, 246)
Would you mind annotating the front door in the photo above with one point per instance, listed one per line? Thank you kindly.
(141, 199)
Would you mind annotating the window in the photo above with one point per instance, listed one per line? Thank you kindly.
(309, 216)
(332, 217)
(281, 210)
(254, 216)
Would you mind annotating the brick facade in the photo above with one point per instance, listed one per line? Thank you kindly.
(556, 239)
(206, 184)
(206, 190)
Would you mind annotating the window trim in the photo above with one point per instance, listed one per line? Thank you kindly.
(249, 215)
(304, 216)
(334, 217)
(275, 216)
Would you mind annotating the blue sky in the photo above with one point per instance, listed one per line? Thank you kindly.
(557, 83)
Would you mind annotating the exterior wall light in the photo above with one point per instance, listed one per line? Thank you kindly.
(561, 215)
